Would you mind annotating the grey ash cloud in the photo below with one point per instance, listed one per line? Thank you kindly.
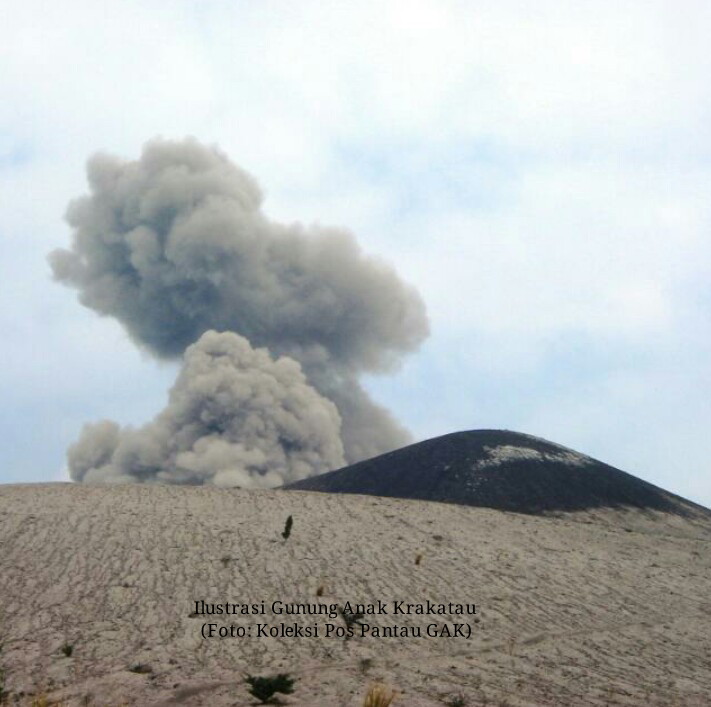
(235, 417)
(175, 245)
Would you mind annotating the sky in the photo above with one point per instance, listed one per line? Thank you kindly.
(540, 172)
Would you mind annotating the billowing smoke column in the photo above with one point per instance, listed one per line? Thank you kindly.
(235, 417)
(175, 245)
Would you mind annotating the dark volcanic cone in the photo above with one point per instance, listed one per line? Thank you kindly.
(498, 469)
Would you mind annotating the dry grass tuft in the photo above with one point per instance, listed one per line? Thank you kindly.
(379, 696)
(44, 701)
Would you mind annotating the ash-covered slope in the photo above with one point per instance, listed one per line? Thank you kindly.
(591, 614)
(499, 469)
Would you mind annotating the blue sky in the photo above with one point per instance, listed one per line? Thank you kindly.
(540, 171)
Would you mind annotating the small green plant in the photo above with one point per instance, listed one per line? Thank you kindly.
(3, 694)
(287, 528)
(67, 649)
(264, 688)
(456, 701)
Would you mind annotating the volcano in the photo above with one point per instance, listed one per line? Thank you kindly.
(508, 471)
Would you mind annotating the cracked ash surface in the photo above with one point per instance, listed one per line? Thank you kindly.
(592, 608)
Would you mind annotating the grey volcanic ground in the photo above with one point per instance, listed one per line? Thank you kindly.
(498, 469)
(598, 607)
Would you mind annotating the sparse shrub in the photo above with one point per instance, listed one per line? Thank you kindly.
(320, 590)
(351, 619)
(3, 694)
(141, 668)
(457, 700)
(264, 688)
(379, 696)
(365, 665)
(418, 558)
(67, 649)
(287, 528)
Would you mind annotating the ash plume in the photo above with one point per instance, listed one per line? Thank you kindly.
(235, 417)
(175, 244)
